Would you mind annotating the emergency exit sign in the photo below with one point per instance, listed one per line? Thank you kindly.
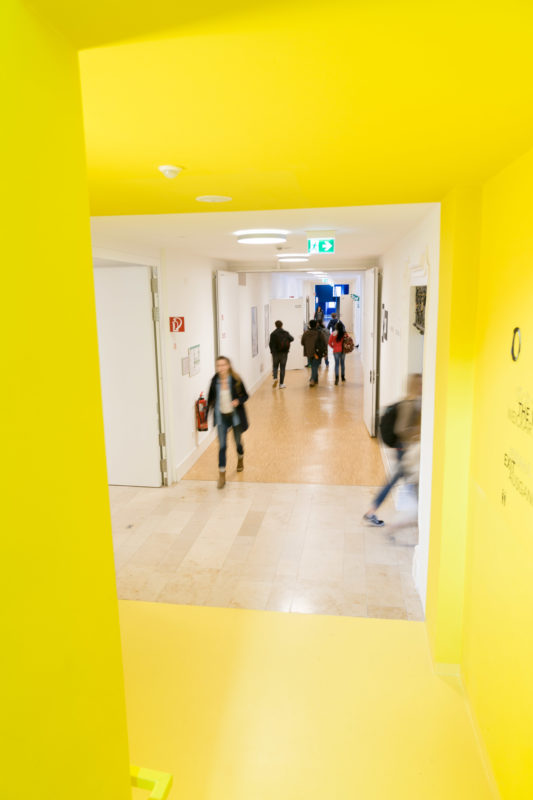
(321, 246)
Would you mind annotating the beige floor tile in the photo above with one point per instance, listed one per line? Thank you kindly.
(136, 583)
(251, 594)
(318, 598)
(321, 565)
(384, 586)
(387, 612)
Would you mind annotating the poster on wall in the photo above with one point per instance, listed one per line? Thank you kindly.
(267, 324)
(194, 360)
(255, 339)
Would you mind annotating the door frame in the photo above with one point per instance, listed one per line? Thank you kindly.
(113, 258)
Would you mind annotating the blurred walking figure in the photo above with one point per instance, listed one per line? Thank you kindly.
(323, 331)
(312, 343)
(227, 397)
(404, 420)
(280, 344)
(336, 341)
(333, 322)
(319, 314)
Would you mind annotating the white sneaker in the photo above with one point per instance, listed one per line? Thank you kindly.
(282, 386)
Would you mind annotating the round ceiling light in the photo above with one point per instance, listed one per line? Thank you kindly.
(169, 170)
(213, 198)
(272, 238)
(260, 231)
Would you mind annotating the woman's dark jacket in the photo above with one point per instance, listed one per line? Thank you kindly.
(238, 392)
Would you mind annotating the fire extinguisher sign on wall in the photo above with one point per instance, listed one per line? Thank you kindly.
(201, 413)
(177, 324)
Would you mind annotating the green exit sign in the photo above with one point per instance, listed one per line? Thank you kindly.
(321, 246)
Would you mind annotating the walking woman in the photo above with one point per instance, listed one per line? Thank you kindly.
(336, 341)
(227, 397)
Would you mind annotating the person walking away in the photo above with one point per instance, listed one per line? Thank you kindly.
(407, 431)
(336, 341)
(319, 314)
(227, 396)
(324, 333)
(280, 343)
(333, 322)
(310, 343)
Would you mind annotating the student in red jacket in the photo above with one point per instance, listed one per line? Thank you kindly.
(336, 342)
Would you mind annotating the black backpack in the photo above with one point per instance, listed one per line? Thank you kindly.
(284, 343)
(321, 346)
(386, 426)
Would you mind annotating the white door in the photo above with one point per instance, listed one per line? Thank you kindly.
(128, 375)
(369, 348)
(227, 297)
(292, 314)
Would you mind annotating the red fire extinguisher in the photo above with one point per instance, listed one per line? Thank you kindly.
(201, 413)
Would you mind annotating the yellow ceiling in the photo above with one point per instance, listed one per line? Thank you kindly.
(294, 105)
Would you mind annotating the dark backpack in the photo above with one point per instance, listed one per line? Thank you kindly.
(321, 346)
(386, 426)
(347, 344)
(284, 343)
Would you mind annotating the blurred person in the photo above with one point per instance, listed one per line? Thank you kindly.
(280, 344)
(407, 432)
(227, 396)
(312, 345)
(336, 342)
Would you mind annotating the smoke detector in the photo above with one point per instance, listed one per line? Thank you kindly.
(169, 171)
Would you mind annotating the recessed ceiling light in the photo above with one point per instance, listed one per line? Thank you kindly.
(293, 255)
(259, 231)
(293, 260)
(170, 171)
(273, 238)
(213, 198)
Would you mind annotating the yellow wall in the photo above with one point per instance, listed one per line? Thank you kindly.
(62, 688)
(498, 632)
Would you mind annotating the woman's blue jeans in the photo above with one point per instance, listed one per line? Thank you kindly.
(339, 359)
(226, 422)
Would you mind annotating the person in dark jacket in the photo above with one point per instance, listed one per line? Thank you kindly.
(280, 343)
(319, 314)
(310, 345)
(227, 397)
(323, 331)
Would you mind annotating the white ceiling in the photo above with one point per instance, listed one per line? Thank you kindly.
(362, 234)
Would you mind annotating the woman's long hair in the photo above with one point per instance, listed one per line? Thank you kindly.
(236, 377)
(341, 330)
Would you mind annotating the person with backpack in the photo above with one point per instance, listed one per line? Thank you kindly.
(280, 344)
(315, 347)
(324, 332)
(400, 428)
(336, 342)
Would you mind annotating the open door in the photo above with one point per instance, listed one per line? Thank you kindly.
(128, 372)
(370, 344)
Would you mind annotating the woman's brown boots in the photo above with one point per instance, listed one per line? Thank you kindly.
(240, 463)
(221, 480)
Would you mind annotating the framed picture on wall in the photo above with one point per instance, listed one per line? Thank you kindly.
(255, 338)
(267, 324)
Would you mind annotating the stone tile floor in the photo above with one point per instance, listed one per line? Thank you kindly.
(279, 547)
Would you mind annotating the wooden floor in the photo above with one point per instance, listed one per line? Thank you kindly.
(304, 435)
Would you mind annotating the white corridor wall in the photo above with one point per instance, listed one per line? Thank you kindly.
(414, 260)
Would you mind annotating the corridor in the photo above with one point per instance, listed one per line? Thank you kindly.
(286, 534)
